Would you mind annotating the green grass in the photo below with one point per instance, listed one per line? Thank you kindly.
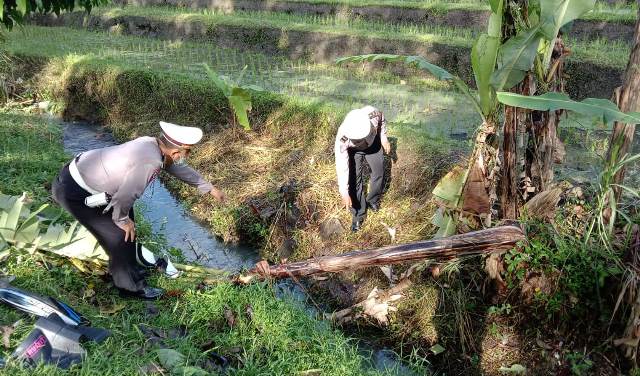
(620, 13)
(427, 4)
(328, 24)
(279, 339)
(424, 102)
(30, 155)
(602, 52)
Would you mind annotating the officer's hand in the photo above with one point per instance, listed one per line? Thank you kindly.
(387, 147)
(218, 195)
(129, 228)
(346, 201)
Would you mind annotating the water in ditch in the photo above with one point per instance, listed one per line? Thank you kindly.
(198, 244)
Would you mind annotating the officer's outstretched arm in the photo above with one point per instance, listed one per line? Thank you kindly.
(191, 177)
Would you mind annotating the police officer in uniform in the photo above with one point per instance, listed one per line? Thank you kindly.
(361, 137)
(120, 174)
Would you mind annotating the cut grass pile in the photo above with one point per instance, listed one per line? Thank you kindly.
(278, 337)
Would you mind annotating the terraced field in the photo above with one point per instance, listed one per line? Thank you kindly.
(421, 102)
(467, 13)
(594, 67)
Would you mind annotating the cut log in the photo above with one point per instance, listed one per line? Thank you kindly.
(496, 239)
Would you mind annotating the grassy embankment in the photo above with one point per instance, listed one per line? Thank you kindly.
(593, 69)
(617, 13)
(606, 53)
(279, 337)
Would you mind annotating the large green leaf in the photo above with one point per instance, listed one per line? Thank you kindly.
(483, 60)
(417, 61)
(554, 14)
(240, 100)
(449, 190)
(495, 5)
(220, 83)
(515, 59)
(494, 27)
(445, 222)
(9, 219)
(21, 6)
(29, 230)
(601, 108)
(171, 359)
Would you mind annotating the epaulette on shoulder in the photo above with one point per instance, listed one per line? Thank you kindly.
(374, 114)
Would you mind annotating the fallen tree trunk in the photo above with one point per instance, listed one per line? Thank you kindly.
(473, 243)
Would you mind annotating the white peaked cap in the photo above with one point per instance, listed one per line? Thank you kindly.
(179, 135)
(356, 124)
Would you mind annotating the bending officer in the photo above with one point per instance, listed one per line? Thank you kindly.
(362, 136)
(112, 179)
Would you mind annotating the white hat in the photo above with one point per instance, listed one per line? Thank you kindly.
(179, 135)
(356, 124)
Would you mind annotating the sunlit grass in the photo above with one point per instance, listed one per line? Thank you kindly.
(612, 53)
(279, 338)
(423, 32)
(30, 155)
(415, 102)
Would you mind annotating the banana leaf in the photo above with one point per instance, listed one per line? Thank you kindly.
(603, 109)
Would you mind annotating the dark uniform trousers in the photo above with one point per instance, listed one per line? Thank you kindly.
(122, 255)
(374, 157)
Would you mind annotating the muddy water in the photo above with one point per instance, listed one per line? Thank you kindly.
(198, 244)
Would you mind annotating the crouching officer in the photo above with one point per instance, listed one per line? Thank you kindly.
(362, 136)
(99, 188)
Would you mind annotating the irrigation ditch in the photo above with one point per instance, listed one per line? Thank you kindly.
(585, 78)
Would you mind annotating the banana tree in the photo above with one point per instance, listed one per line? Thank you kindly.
(531, 62)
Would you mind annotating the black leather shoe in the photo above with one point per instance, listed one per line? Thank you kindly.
(147, 293)
(374, 206)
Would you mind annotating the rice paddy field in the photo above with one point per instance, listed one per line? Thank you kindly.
(423, 102)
